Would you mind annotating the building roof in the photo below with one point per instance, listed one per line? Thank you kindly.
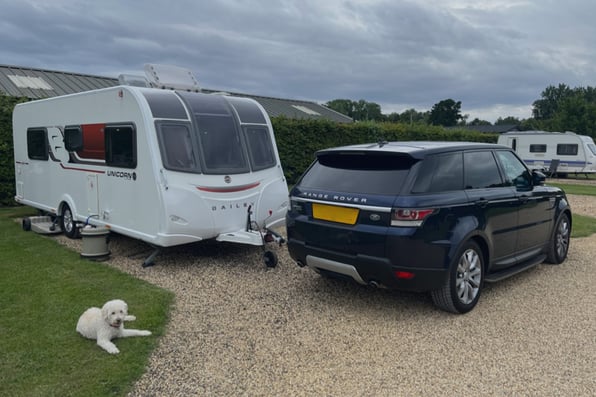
(499, 129)
(34, 83)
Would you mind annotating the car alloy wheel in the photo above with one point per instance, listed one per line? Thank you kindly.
(468, 276)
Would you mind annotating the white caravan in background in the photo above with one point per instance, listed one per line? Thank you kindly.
(560, 152)
(165, 166)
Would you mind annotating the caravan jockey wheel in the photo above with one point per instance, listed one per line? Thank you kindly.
(270, 259)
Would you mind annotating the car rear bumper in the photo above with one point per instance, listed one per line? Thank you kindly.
(365, 269)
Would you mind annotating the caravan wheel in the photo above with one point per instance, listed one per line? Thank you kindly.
(68, 223)
(270, 259)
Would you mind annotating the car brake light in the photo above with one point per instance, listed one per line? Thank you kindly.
(409, 217)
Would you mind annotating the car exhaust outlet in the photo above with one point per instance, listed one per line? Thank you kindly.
(300, 263)
(374, 284)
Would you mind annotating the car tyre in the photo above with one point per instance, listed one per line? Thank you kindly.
(462, 287)
(68, 224)
(559, 245)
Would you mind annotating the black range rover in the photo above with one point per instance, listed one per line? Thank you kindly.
(443, 217)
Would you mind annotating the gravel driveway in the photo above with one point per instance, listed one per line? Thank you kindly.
(240, 329)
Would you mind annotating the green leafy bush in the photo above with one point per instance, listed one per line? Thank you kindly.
(7, 189)
(298, 140)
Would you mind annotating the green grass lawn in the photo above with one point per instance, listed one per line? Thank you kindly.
(587, 190)
(44, 288)
(582, 226)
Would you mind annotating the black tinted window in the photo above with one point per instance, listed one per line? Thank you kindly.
(248, 111)
(121, 146)
(260, 147)
(220, 141)
(567, 149)
(481, 170)
(359, 172)
(37, 144)
(176, 147)
(538, 148)
(440, 173)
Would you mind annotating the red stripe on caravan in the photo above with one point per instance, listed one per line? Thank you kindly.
(82, 169)
(230, 189)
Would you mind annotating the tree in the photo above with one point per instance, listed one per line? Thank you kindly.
(563, 108)
(508, 120)
(412, 116)
(393, 117)
(445, 113)
(359, 111)
(477, 121)
(343, 106)
(552, 97)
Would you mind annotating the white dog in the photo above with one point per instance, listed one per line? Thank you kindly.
(107, 323)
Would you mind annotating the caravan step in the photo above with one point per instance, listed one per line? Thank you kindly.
(43, 225)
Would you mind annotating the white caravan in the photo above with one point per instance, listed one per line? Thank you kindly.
(560, 152)
(165, 166)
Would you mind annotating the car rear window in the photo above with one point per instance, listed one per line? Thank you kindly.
(363, 172)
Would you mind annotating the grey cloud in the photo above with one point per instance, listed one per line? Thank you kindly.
(402, 54)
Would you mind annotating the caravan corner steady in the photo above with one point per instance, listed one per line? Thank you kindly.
(557, 152)
(165, 166)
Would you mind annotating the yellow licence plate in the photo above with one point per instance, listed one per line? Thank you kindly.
(335, 213)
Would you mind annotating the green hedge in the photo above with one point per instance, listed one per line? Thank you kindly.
(297, 141)
(7, 189)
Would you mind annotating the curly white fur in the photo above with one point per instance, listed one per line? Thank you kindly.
(107, 323)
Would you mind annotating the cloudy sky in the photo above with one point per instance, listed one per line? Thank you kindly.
(495, 56)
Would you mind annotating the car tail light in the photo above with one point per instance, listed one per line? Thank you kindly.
(409, 217)
(297, 206)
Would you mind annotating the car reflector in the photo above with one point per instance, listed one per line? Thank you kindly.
(404, 275)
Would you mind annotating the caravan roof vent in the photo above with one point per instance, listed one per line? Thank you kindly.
(171, 77)
(134, 80)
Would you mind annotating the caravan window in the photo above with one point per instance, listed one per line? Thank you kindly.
(260, 147)
(567, 149)
(176, 147)
(37, 144)
(87, 140)
(221, 144)
(120, 143)
(537, 148)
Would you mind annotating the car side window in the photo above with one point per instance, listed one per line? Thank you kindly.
(481, 170)
(516, 173)
(440, 173)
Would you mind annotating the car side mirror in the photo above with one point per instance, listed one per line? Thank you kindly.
(538, 178)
